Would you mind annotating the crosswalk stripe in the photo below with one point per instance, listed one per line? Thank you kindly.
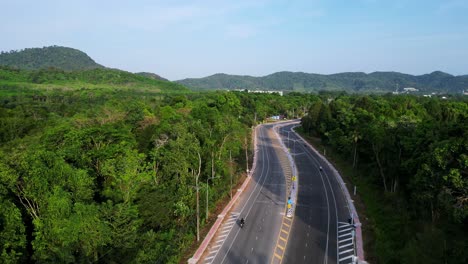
(343, 235)
(344, 230)
(345, 258)
(348, 239)
(346, 251)
(347, 245)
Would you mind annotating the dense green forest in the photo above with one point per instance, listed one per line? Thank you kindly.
(410, 156)
(103, 174)
(95, 78)
(54, 56)
(103, 165)
(151, 76)
(352, 82)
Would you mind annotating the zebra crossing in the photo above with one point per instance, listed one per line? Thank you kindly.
(221, 236)
(345, 240)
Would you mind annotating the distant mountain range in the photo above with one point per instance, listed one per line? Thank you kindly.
(69, 59)
(376, 82)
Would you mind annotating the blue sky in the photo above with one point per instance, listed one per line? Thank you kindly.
(180, 39)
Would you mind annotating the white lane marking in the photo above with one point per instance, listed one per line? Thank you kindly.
(348, 239)
(325, 260)
(345, 258)
(344, 230)
(216, 247)
(308, 152)
(325, 257)
(262, 176)
(213, 252)
(347, 245)
(346, 251)
(343, 235)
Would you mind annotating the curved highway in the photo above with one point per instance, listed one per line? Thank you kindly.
(262, 205)
(316, 236)
(318, 232)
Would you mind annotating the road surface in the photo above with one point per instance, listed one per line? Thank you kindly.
(262, 205)
(313, 235)
(321, 204)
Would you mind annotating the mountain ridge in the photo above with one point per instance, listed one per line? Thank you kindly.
(378, 81)
(59, 57)
(64, 58)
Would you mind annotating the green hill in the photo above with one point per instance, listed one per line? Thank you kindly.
(94, 78)
(379, 82)
(64, 58)
(151, 75)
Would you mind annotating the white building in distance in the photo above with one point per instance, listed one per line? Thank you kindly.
(259, 91)
(410, 89)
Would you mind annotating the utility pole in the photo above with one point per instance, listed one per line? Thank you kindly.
(230, 169)
(207, 189)
(198, 197)
(207, 186)
(246, 155)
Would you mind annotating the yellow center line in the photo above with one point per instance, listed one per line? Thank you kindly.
(286, 222)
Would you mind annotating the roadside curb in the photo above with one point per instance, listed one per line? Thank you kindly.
(201, 249)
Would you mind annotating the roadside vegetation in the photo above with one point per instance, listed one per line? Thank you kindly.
(101, 166)
(408, 157)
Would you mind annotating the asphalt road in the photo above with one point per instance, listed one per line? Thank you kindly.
(320, 205)
(262, 205)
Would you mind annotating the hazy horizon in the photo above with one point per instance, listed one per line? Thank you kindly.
(192, 39)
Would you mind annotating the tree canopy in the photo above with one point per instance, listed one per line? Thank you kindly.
(412, 154)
